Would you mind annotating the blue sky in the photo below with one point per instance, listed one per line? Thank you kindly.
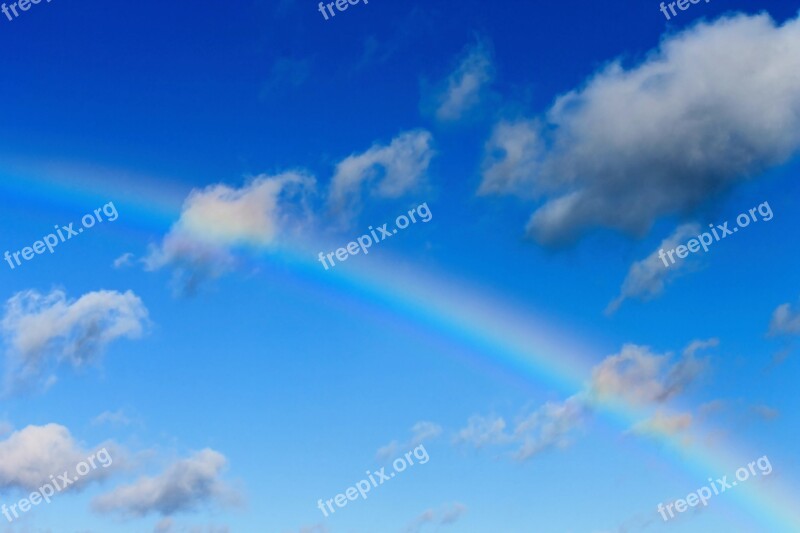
(557, 148)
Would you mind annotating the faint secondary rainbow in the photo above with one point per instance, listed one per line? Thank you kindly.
(513, 339)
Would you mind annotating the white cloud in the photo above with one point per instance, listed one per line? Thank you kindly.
(391, 171)
(463, 88)
(646, 278)
(28, 457)
(712, 107)
(114, 418)
(662, 423)
(123, 260)
(482, 431)
(447, 515)
(641, 377)
(184, 486)
(785, 321)
(42, 331)
(216, 220)
(421, 432)
(549, 426)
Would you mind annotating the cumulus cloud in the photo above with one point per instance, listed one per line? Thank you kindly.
(43, 331)
(29, 456)
(391, 171)
(184, 486)
(647, 278)
(641, 377)
(464, 87)
(711, 107)
(447, 515)
(218, 219)
(420, 432)
(785, 321)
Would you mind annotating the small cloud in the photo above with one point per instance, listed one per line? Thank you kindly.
(465, 86)
(647, 278)
(421, 432)
(785, 321)
(30, 456)
(764, 412)
(641, 377)
(124, 260)
(390, 171)
(551, 425)
(115, 418)
(184, 486)
(44, 331)
(482, 431)
(219, 219)
(447, 515)
(662, 423)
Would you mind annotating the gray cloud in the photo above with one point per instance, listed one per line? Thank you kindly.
(785, 321)
(713, 106)
(43, 331)
(391, 171)
(647, 278)
(30, 456)
(184, 486)
(464, 87)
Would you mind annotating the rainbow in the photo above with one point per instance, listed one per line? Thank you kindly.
(510, 339)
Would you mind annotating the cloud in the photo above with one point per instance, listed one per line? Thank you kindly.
(115, 418)
(641, 377)
(647, 278)
(447, 515)
(30, 456)
(218, 219)
(546, 427)
(464, 87)
(662, 423)
(391, 171)
(765, 412)
(184, 486)
(482, 431)
(549, 426)
(785, 321)
(42, 331)
(421, 432)
(123, 260)
(707, 110)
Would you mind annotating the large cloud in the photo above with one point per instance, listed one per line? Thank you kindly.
(185, 485)
(715, 105)
(391, 171)
(219, 218)
(30, 456)
(42, 331)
